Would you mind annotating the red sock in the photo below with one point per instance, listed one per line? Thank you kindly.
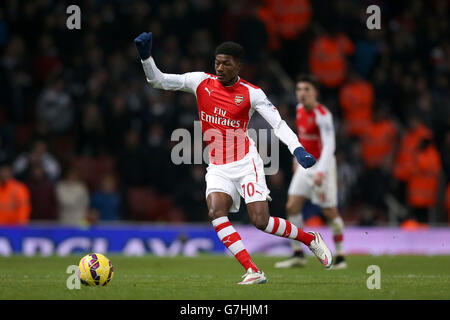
(304, 237)
(245, 260)
(231, 239)
(283, 228)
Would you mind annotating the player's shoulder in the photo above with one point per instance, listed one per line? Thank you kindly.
(197, 76)
(209, 75)
(322, 110)
(199, 79)
(200, 75)
(323, 114)
(257, 95)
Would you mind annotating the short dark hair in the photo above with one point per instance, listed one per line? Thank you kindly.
(232, 49)
(309, 78)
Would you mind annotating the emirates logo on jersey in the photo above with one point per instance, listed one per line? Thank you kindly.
(239, 99)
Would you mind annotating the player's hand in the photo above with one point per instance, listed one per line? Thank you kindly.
(144, 45)
(318, 178)
(305, 159)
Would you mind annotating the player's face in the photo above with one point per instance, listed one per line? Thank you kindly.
(227, 69)
(306, 94)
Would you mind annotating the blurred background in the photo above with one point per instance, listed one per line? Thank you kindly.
(88, 140)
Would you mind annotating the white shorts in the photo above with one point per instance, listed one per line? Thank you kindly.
(302, 184)
(244, 178)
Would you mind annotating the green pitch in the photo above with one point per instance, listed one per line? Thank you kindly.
(215, 277)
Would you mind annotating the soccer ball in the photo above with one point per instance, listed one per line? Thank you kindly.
(95, 270)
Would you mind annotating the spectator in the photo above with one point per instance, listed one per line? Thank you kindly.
(423, 182)
(106, 201)
(328, 58)
(48, 61)
(73, 199)
(92, 131)
(356, 99)
(15, 81)
(252, 31)
(44, 205)
(117, 123)
(379, 141)
(404, 162)
(37, 156)
(132, 161)
(366, 52)
(285, 19)
(160, 176)
(14, 198)
(347, 176)
(378, 144)
(55, 109)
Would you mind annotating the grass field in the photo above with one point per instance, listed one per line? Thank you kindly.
(215, 277)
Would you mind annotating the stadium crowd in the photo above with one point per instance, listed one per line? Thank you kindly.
(86, 139)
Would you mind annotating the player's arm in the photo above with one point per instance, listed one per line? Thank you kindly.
(327, 135)
(187, 82)
(281, 129)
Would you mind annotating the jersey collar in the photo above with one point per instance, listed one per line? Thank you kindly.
(231, 86)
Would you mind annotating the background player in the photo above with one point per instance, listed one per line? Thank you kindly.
(225, 104)
(319, 183)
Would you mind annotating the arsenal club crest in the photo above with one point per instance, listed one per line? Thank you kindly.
(239, 99)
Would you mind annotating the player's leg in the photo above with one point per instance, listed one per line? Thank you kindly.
(219, 204)
(294, 207)
(259, 215)
(337, 227)
(326, 197)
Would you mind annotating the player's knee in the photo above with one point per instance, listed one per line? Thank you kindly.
(216, 213)
(260, 221)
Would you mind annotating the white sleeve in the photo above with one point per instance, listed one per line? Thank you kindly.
(326, 127)
(270, 113)
(187, 82)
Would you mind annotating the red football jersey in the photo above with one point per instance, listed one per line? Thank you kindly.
(224, 112)
(315, 128)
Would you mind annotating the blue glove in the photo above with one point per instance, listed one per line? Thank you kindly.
(305, 159)
(144, 45)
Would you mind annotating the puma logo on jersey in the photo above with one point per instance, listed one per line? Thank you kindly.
(209, 92)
